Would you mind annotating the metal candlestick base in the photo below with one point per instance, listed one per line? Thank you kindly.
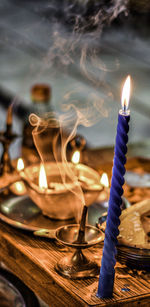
(6, 138)
(5, 164)
(78, 265)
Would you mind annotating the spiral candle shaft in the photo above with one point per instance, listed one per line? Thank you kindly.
(107, 271)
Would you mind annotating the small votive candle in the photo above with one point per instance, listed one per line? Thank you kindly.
(42, 178)
(76, 157)
(104, 195)
(18, 188)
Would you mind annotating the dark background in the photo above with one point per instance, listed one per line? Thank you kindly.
(82, 47)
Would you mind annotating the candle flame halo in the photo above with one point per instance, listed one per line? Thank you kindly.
(20, 164)
(126, 94)
(76, 157)
(104, 180)
(42, 178)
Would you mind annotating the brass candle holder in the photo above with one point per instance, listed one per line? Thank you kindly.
(6, 138)
(79, 237)
(56, 192)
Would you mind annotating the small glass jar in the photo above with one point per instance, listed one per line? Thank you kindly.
(40, 96)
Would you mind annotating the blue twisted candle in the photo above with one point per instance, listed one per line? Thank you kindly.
(107, 271)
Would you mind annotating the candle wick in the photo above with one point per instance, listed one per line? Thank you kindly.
(124, 108)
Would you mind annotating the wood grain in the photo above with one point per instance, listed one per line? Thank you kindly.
(33, 260)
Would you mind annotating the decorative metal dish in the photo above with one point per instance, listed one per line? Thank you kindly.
(22, 213)
(133, 247)
(135, 180)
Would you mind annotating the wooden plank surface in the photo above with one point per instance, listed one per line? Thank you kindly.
(33, 260)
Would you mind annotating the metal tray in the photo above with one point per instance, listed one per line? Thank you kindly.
(21, 212)
(137, 258)
(14, 293)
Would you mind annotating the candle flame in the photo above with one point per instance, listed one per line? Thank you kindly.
(20, 164)
(104, 180)
(126, 94)
(76, 157)
(20, 187)
(42, 178)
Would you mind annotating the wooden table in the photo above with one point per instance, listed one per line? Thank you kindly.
(33, 260)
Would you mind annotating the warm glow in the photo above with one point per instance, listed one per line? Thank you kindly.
(126, 94)
(104, 180)
(76, 157)
(19, 186)
(20, 164)
(42, 178)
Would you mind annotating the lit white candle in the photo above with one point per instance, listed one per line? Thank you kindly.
(76, 157)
